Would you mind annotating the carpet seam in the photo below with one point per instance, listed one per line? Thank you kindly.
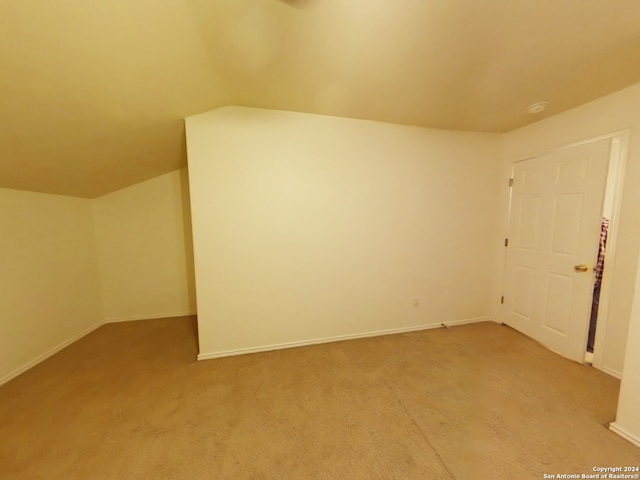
(424, 435)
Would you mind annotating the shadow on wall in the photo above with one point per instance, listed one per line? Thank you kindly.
(188, 236)
(298, 3)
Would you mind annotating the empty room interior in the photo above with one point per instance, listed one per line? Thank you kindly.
(260, 239)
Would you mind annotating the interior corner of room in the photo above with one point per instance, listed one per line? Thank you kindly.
(73, 264)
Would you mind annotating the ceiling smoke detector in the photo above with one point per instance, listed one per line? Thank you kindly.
(537, 107)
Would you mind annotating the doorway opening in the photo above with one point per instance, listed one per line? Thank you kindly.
(594, 351)
(598, 270)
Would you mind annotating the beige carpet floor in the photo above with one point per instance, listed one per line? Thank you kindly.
(481, 401)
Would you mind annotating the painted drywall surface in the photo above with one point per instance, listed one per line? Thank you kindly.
(628, 416)
(309, 227)
(49, 289)
(143, 237)
(608, 114)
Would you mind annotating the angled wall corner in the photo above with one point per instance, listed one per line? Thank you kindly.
(49, 288)
(71, 264)
(145, 253)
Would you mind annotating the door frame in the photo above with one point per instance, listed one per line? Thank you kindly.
(614, 188)
(613, 192)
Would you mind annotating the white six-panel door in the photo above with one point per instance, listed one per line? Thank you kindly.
(554, 228)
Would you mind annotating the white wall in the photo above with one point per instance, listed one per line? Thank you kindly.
(49, 292)
(310, 227)
(143, 235)
(627, 421)
(609, 114)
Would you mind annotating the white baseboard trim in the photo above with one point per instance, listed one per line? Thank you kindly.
(154, 316)
(337, 338)
(48, 354)
(230, 353)
(613, 373)
(78, 336)
(618, 430)
(467, 321)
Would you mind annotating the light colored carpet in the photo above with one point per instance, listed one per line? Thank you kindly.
(481, 401)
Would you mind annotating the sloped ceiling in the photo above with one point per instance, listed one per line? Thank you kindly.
(93, 93)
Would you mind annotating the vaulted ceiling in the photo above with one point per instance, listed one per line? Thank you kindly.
(93, 93)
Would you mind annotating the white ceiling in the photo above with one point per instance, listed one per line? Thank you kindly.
(92, 94)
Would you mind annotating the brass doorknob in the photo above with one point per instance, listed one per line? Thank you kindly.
(581, 268)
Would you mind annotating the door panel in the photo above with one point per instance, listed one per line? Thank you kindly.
(566, 224)
(559, 299)
(555, 225)
(529, 221)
